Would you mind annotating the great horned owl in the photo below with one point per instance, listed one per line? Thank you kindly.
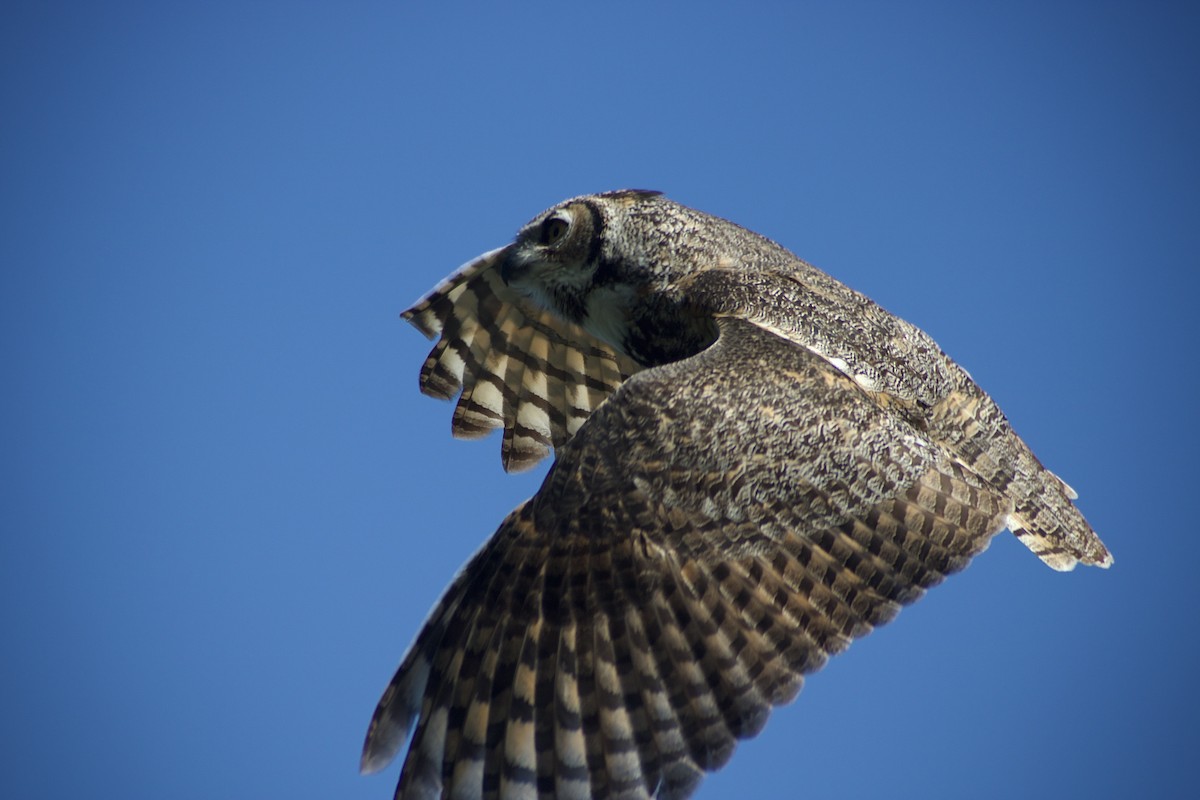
(754, 466)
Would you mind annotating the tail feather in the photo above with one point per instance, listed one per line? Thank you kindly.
(1048, 523)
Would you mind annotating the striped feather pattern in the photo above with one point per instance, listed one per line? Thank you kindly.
(570, 665)
(518, 367)
(609, 643)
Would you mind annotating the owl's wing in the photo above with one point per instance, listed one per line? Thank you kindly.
(518, 366)
(715, 531)
(904, 370)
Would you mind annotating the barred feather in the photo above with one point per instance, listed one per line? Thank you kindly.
(518, 367)
(605, 645)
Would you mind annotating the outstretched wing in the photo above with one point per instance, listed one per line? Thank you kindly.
(518, 366)
(714, 532)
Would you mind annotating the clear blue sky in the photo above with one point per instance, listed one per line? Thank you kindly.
(226, 509)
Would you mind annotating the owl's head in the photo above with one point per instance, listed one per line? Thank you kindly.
(581, 244)
(590, 259)
(616, 264)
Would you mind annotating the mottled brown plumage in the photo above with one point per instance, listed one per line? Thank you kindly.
(755, 465)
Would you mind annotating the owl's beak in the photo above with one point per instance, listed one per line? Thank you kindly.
(512, 268)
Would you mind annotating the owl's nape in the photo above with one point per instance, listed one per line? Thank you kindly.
(726, 509)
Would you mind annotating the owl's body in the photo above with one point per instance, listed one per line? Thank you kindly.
(755, 465)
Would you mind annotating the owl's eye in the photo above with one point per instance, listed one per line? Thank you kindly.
(554, 229)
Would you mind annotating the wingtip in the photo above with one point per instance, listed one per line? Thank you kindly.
(381, 746)
(429, 326)
(370, 764)
(395, 715)
(523, 459)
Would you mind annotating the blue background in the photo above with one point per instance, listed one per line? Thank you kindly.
(226, 509)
